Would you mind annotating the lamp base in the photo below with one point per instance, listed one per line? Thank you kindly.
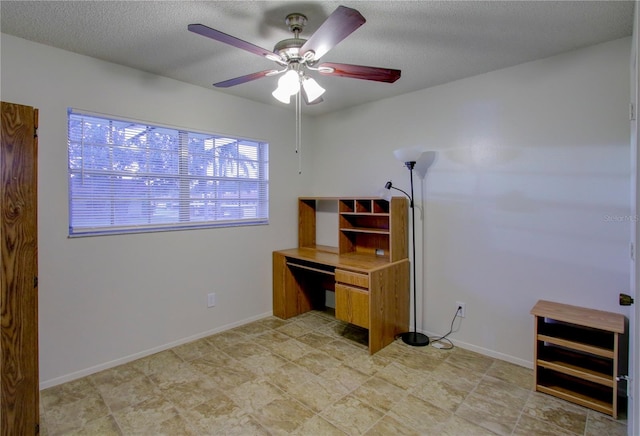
(415, 339)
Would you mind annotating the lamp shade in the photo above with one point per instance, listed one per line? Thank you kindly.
(385, 193)
(410, 154)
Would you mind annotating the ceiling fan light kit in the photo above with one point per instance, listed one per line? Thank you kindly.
(288, 85)
(312, 89)
(299, 56)
(291, 81)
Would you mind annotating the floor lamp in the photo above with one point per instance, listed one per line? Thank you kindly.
(409, 157)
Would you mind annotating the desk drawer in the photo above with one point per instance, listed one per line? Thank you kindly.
(352, 305)
(352, 278)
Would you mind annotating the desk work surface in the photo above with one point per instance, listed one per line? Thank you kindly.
(330, 257)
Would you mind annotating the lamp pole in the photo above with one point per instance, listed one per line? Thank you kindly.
(413, 338)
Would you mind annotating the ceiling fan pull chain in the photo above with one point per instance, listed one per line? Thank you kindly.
(299, 132)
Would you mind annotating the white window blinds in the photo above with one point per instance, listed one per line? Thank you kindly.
(127, 176)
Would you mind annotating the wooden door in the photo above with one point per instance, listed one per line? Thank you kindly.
(19, 393)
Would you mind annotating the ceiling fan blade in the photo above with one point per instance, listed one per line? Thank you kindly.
(244, 79)
(203, 30)
(340, 24)
(359, 72)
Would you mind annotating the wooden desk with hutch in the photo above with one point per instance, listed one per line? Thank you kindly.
(369, 270)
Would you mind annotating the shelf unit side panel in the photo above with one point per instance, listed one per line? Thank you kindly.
(615, 373)
(398, 225)
(306, 223)
(535, 352)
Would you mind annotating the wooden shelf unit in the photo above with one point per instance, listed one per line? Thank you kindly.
(576, 354)
(369, 270)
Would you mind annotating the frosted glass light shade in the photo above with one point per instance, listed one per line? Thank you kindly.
(288, 85)
(289, 82)
(312, 88)
(410, 154)
(282, 95)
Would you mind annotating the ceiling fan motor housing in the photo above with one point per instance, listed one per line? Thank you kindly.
(296, 22)
(289, 49)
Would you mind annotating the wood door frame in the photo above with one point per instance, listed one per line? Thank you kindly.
(19, 390)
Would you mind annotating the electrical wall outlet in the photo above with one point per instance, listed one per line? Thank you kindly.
(462, 312)
(211, 299)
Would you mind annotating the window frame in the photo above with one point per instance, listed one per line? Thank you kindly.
(208, 164)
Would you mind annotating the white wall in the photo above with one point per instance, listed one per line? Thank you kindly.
(526, 200)
(528, 197)
(108, 299)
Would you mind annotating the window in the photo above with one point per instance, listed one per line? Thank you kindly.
(127, 176)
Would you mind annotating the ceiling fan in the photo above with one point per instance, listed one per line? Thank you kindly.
(296, 56)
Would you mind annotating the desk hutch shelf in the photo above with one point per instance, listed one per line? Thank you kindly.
(576, 354)
(368, 271)
(368, 226)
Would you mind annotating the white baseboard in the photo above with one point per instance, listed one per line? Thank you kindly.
(111, 364)
(486, 352)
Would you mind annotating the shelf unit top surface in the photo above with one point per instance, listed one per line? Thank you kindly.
(598, 319)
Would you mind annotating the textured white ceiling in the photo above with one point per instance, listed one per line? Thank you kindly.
(432, 42)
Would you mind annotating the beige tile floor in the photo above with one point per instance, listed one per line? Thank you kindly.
(312, 375)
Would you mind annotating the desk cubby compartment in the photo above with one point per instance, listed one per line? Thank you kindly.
(366, 242)
(364, 206)
(375, 206)
(374, 224)
(364, 223)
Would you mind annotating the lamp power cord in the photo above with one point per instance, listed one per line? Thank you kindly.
(443, 339)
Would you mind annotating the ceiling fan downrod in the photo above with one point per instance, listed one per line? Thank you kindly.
(289, 49)
(296, 23)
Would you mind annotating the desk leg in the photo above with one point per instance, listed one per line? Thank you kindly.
(280, 272)
(389, 302)
(290, 298)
